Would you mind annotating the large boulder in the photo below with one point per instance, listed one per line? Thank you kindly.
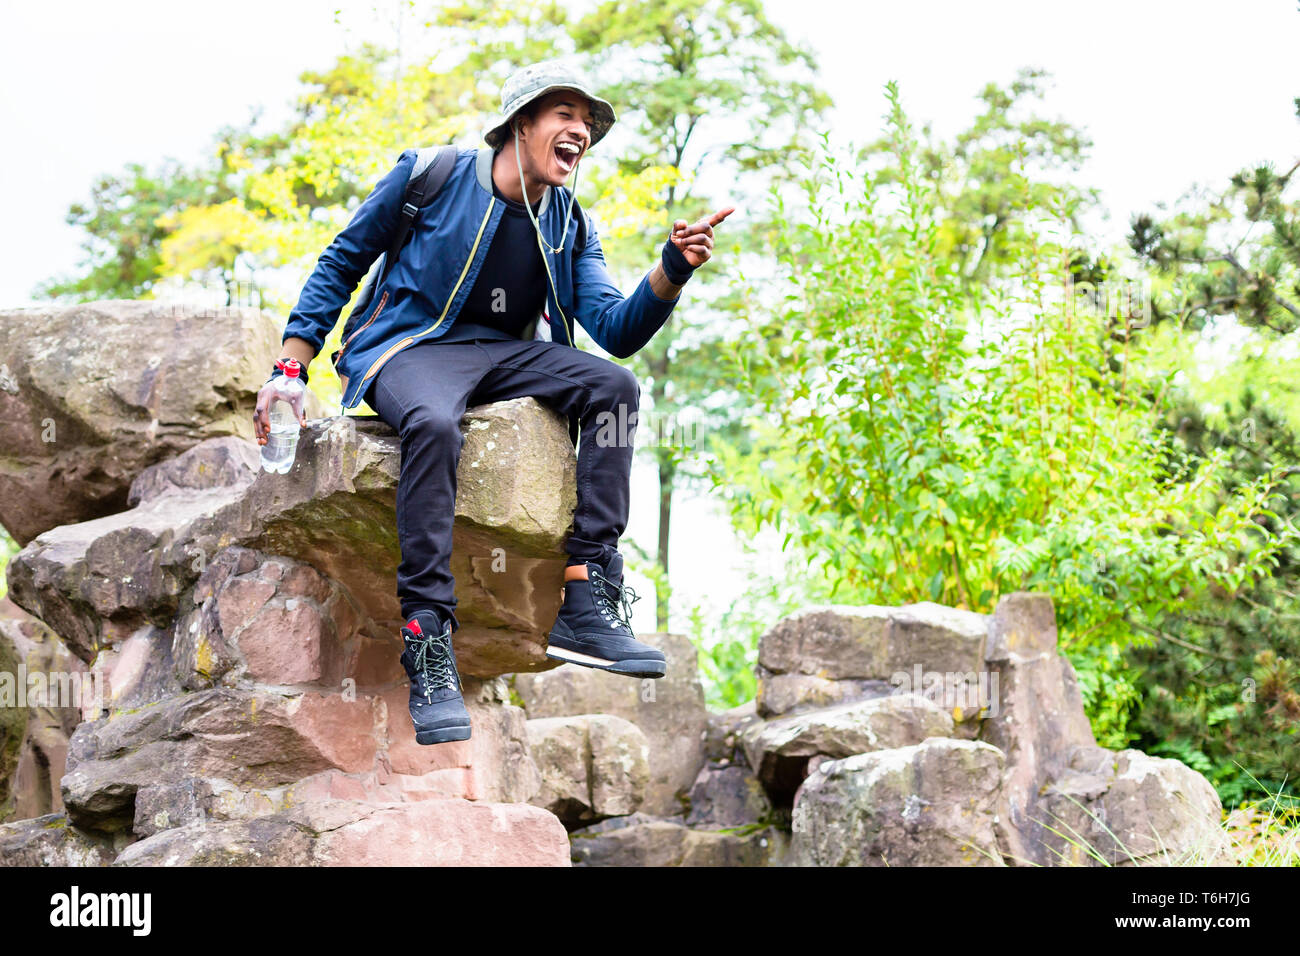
(823, 656)
(98, 582)
(1132, 809)
(931, 804)
(592, 766)
(1065, 800)
(92, 394)
(779, 750)
(669, 710)
(447, 832)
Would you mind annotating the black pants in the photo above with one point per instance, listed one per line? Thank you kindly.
(423, 391)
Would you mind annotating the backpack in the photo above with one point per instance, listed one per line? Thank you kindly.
(432, 168)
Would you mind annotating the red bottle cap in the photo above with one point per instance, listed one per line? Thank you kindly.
(289, 366)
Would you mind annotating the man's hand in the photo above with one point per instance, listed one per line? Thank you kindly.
(695, 240)
(262, 413)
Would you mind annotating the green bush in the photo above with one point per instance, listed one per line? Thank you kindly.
(923, 443)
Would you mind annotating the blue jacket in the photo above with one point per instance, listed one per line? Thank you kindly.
(426, 288)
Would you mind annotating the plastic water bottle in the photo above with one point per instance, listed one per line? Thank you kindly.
(282, 441)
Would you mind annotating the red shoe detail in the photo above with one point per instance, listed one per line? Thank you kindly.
(414, 626)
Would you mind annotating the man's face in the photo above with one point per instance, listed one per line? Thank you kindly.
(554, 142)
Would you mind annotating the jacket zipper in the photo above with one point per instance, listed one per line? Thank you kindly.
(563, 321)
(451, 298)
(373, 315)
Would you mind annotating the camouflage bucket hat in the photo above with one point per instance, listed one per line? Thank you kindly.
(537, 80)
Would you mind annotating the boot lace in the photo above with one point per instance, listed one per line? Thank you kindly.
(612, 597)
(433, 660)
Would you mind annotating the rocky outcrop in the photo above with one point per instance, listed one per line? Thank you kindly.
(1063, 798)
(244, 625)
(930, 804)
(99, 582)
(92, 394)
(593, 766)
(240, 630)
(780, 750)
(910, 736)
(669, 710)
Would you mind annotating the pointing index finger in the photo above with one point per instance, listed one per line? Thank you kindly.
(720, 215)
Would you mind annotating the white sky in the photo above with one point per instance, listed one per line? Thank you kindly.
(1172, 93)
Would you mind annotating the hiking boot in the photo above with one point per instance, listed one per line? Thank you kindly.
(594, 628)
(437, 704)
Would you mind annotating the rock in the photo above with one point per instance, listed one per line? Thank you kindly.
(48, 840)
(494, 764)
(930, 804)
(834, 654)
(448, 832)
(212, 463)
(669, 710)
(592, 766)
(722, 733)
(727, 797)
(98, 582)
(1039, 723)
(250, 738)
(1058, 779)
(780, 694)
(93, 394)
(34, 739)
(1129, 808)
(644, 840)
(278, 622)
(779, 750)
(235, 751)
(873, 643)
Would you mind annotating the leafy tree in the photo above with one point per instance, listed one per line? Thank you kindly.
(930, 451)
(124, 234)
(996, 179)
(1220, 688)
(711, 90)
(1234, 253)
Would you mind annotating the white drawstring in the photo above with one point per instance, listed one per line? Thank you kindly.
(542, 244)
(555, 250)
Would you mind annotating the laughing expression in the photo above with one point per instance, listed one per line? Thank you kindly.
(553, 143)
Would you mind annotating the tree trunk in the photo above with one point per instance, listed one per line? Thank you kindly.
(667, 472)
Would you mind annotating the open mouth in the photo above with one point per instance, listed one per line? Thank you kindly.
(566, 154)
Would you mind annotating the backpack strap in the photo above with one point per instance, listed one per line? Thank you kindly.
(432, 167)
